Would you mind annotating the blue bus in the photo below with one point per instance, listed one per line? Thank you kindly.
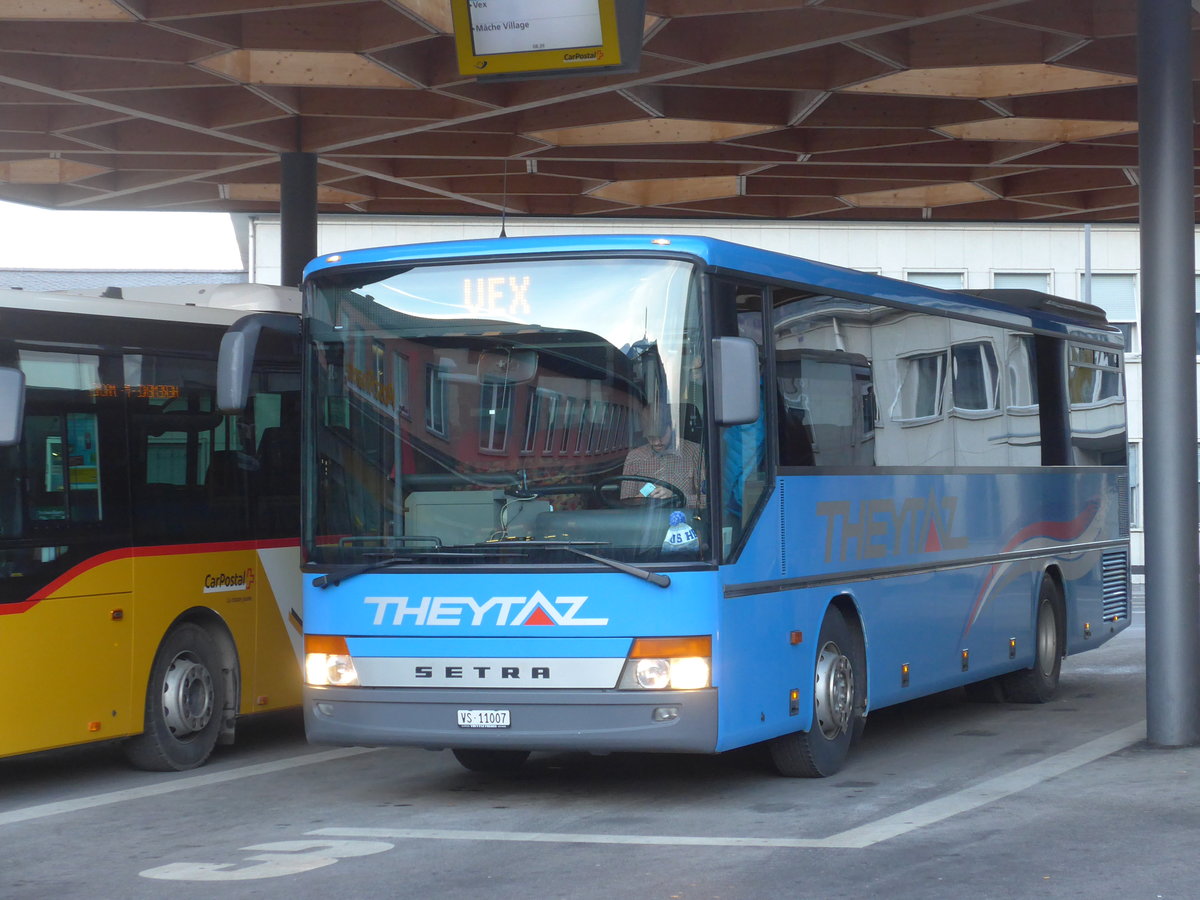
(668, 493)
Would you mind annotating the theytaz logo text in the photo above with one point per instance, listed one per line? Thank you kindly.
(502, 611)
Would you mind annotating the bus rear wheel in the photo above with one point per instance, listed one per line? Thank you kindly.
(1039, 683)
(494, 762)
(185, 699)
(839, 691)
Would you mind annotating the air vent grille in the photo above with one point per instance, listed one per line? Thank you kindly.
(1114, 570)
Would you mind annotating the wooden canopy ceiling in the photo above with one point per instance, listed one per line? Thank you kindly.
(833, 109)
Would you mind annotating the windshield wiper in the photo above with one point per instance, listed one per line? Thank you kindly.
(483, 550)
(655, 578)
(573, 547)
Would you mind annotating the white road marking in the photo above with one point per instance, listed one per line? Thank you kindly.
(181, 783)
(541, 837)
(991, 790)
(861, 837)
(852, 839)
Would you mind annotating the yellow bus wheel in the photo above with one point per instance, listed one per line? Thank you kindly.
(184, 701)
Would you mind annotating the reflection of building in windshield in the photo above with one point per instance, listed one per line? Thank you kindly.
(861, 384)
(482, 402)
(424, 420)
(622, 300)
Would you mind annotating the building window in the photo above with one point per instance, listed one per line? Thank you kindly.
(400, 383)
(975, 376)
(921, 386)
(947, 281)
(1022, 372)
(1135, 485)
(1197, 300)
(495, 413)
(1117, 296)
(1027, 281)
(435, 401)
(550, 400)
(1094, 375)
(568, 417)
(581, 435)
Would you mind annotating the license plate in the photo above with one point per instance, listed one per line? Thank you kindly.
(483, 718)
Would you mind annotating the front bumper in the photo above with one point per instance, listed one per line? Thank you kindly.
(540, 719)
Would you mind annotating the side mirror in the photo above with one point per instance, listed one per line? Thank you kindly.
(736, 381)
(12, 405)
(236, 359)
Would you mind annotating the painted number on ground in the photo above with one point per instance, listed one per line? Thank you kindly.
(274, 859)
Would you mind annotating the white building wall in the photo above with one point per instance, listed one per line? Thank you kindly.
(978, 251)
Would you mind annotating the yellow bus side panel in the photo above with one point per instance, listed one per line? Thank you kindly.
(65, 674)
(221, 581)
(76, 658)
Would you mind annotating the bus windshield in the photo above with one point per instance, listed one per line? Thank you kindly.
(492, 412)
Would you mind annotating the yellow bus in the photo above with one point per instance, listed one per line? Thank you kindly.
(149, 554)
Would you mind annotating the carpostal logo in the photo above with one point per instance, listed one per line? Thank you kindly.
(537, 610)
(583, 56)
(224, 582)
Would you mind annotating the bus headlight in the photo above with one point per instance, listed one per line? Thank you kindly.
(657, 664)
(327, 662)
(690, 673)
(653, 674)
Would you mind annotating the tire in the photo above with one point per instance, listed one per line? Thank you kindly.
(1039, 683)
(185, 700)
(839, 698)
(493, 762)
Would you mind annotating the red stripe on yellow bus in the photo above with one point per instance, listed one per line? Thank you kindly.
(9, 609)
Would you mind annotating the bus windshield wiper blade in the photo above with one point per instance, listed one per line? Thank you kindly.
(655, 578)
(482, 550)
(573, 547)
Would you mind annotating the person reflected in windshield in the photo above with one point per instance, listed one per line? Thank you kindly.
(664, 457)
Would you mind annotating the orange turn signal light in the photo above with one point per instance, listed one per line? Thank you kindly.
(332, 644)
(671, 647)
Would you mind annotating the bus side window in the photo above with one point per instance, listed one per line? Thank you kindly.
(278, 507)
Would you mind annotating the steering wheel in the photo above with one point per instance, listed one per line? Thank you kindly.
(677, 498)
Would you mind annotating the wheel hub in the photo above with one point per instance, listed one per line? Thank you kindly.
(833, 700)
(188, 696)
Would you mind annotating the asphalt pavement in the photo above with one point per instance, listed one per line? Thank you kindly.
(944, 798)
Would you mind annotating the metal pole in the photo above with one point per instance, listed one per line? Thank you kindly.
(1169, 372)
(1087, 264)
(297, 214)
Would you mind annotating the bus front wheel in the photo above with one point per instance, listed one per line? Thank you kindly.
(839, 691)
(185, 698)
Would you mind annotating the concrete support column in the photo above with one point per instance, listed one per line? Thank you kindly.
(298, 215)
(1169, 370)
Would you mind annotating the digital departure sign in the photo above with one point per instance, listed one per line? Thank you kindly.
(506, 295)
(140, 391)
(527, 38)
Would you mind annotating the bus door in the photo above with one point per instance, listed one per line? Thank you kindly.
(193, 471)
(65, 577)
